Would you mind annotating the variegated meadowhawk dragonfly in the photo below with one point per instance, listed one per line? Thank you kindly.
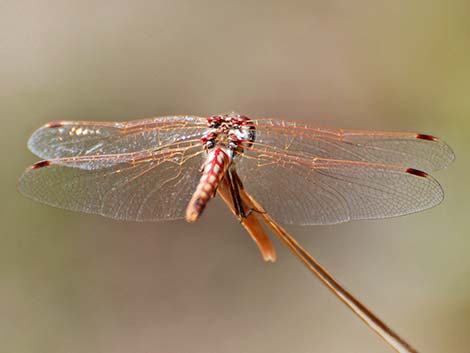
(266, 170)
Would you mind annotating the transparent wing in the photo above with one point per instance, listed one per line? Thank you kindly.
(297, 190)
(154, 187)
(64, 140)
(423, 152)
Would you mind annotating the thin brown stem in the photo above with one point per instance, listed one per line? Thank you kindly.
(371, 320)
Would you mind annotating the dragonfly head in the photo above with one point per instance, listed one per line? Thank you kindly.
(231, 131)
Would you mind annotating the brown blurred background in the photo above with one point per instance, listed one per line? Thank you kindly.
(78, 283)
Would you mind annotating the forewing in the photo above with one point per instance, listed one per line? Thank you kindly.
(296, 190)
(151, 188)
(65, 140)
(423, 152)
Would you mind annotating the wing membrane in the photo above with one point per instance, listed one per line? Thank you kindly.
(152, 188)
(70, 139)
(408, 149)
(297, 190)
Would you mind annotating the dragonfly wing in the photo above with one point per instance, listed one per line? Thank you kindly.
(296, 190)
(423, 152)
(153, 188)
(66, 139)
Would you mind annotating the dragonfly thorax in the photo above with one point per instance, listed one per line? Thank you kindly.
(231, 131)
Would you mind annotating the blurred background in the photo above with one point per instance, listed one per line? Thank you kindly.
(81, 283)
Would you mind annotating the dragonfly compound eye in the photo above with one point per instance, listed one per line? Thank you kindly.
(209, 144)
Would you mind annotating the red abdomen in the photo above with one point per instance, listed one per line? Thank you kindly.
(215, 167)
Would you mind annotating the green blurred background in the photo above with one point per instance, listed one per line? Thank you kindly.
(80, 283)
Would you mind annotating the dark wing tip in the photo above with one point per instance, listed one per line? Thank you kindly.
(417, 172)
(41, 164)
(426, 137)
(54, 124)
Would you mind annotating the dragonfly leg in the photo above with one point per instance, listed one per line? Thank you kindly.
(235, 192)
(251, 210)
(235, 186)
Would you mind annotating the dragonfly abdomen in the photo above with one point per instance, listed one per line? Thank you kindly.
(215, 167)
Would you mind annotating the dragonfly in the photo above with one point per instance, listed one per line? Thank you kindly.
(269, 172)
